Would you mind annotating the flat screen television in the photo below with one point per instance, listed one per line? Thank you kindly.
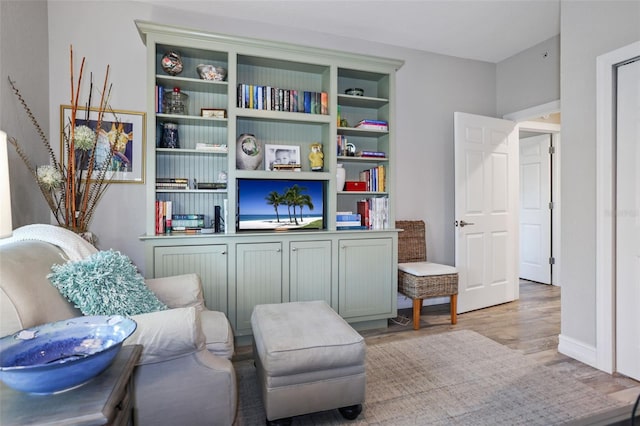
(280, 204)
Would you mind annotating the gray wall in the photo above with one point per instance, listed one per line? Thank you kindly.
(530, 78)
(589, 29)
(430, 88)
(29, 72)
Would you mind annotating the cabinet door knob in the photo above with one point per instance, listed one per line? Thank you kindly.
(224, 252)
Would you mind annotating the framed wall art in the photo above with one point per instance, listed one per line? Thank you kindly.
(128, 127)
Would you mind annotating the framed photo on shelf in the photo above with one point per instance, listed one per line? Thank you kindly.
(281, 157)
(127, 165)
(213, 112)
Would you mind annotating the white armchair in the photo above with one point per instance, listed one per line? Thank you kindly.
(184, 376)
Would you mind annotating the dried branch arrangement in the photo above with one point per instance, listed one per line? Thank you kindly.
(73, 185)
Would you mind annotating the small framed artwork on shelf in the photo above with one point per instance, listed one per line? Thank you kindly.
(282, 157)
(213, 113)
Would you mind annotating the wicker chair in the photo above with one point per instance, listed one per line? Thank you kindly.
(419, 279)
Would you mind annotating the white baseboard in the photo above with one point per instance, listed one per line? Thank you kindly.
(577, 350)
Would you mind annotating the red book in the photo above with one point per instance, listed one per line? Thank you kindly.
(363, 211)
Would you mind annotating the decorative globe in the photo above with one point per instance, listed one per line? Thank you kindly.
(171, 63)
(248, 152)
(62, 355)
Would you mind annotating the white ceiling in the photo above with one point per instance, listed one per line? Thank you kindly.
(486, 30)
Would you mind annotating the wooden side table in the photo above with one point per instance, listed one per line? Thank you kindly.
(106, 399)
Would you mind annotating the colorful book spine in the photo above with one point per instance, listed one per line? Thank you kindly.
(363, 209)
(307, 102)
(324, 103)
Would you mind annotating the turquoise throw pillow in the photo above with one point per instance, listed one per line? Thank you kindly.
(105, 283)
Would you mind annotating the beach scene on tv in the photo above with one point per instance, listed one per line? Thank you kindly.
(280, 205)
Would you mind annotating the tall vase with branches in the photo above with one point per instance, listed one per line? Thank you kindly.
(74, 183)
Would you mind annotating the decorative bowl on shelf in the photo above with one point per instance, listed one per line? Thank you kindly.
(355, 91)
(62, 355)
(211, 72)
(171, 63)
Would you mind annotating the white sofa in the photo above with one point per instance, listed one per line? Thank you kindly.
(185, 376)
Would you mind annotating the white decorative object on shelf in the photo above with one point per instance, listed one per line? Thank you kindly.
(248, 152)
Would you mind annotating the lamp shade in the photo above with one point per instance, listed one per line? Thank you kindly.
(5, 192)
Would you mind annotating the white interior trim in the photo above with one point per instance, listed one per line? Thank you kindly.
(605, 206)
(534, 112)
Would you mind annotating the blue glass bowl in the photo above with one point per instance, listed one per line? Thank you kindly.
(62, 355)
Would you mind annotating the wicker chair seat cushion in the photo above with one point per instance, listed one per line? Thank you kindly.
(425, 269)
(422, 287)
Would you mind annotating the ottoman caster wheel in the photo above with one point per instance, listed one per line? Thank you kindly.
(351, 412)
(280, 422)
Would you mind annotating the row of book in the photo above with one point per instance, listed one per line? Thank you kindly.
(169, 222)
(374, 212)
(374, 178)
(371, 213)
(275, 99)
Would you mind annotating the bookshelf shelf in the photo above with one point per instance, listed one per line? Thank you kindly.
(283, 116)
(178, 151)
(193, 191)
(187, 84)
(350, 159)
(361, 101)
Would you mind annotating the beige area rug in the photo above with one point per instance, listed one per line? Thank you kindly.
(455, 378)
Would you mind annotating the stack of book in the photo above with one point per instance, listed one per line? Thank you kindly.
(211, 185)
(275, 99)
(287, 167)
(373, 125)
(348, 220)
(212, 147)
(187, 223)
(172, 183)
(371, 154)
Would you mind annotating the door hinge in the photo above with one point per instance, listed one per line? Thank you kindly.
(552, 261)
(551, 205)
(552, 150)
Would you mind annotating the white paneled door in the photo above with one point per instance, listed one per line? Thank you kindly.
(535, 214)
(628, 221)
(486, 209)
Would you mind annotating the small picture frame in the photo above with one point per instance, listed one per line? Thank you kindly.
(213, 113)
(282, 157)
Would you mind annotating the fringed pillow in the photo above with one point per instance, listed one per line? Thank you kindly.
(105, 283)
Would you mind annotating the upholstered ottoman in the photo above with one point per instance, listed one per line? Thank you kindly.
(308, 359)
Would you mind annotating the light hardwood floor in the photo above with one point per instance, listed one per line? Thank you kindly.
(530, 325)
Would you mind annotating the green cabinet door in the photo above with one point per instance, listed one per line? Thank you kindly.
(310, 272)
(365, 278)
(208, 261)
(258, 280)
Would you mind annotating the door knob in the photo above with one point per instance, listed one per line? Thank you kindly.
(463, 223)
